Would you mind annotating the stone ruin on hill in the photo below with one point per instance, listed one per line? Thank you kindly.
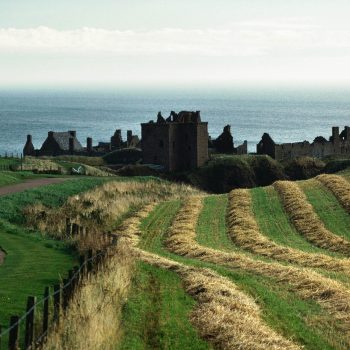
(338, 144)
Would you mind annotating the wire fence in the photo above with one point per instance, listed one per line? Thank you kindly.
(36, 327)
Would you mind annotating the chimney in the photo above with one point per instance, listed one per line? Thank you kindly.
(50, 134)
(29, 138)
(347, 133)
(89, 144)
(335, 133)
(129, 136)
(72, 133)
(71, 145)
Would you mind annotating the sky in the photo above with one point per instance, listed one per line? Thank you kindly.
(177, 42)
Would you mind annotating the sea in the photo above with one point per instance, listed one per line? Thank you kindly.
(287, 114)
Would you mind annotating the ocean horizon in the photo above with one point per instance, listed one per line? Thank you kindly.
(288, 115)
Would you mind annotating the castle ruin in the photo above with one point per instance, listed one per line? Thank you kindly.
(338, 144)
(177, 143)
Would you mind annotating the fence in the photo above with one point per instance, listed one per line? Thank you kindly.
(54, 303)
(10, 162)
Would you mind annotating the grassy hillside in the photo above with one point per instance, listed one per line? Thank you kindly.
(286, 305)
(258, 268)
(32, 261)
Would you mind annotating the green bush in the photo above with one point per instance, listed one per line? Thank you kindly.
(124, 156)
(337, 165)
(304, 168)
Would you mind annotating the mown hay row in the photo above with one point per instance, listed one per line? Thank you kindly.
(248, 236)
(225, 316)
(307, 284)
(306, 220)
(339, 187)
(101, 206)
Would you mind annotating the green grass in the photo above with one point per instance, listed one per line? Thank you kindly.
(327, 207)
(11, 177)
(32, 262)
(51, 195)
(304, 321)
(211, 220)
(156, 315)
(9, 161)
(274, 222)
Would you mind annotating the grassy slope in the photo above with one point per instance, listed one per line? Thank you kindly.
(32, 262)
(10, 177)
(274, 222)
(327, 207)
(51, 195)
(157, 313)
(282, 310)
(158, 308)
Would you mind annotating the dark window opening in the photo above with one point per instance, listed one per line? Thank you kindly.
(173, 144)
(161, 143)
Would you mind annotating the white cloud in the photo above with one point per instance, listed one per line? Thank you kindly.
(240, 39)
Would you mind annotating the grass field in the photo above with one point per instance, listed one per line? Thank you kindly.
(211, 274)
(157, 312)
(32, 262)
(52, 195)
(11, 178)
(288, 313)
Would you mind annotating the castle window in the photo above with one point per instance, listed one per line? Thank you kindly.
(173, 144)
(161, 144)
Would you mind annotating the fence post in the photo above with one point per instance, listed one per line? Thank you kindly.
(65, 294)
(57, 303)
(46, 311)
(68, 227)
(29, 331)
(90, 262)
(82, 267)
(14, 333)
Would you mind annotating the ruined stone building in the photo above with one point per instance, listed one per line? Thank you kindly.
(179, 142)
(224, 143)
(66, 143)
(56, 143)
(337, 144)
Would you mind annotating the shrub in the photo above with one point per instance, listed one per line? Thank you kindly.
(123, 156)
(304, 168)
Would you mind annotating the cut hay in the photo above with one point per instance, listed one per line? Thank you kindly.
(99, 208)
(339, 187)
(225, 316)
(307, 284)
(306, 220)
(248, 236)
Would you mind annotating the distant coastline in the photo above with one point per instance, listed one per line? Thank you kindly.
(288, 115)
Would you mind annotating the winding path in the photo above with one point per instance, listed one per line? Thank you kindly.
(26, 185)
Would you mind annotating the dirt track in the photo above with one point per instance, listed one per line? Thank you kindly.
(29, 184)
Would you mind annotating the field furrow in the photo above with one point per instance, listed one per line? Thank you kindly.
(339, 187)
(248, 236)
(306, 221)
(329, 294)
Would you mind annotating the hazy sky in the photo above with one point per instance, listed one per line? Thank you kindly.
(98, 42)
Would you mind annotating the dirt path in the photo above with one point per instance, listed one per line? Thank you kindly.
(29, 184)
